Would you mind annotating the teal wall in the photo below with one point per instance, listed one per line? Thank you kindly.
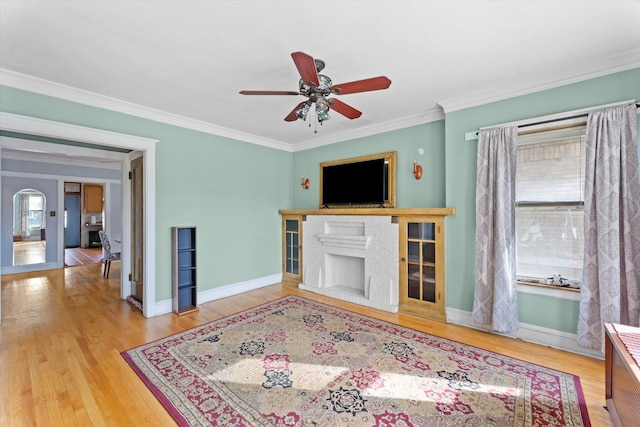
(427, 192)
(230, 190)
(224, 187)
(460, 159)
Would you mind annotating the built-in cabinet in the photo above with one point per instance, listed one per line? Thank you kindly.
(183, 268)
(419, 280)
(93, 198)
(422, 266)
(292, 249)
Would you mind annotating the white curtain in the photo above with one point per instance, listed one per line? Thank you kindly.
(23, 222)
(495, 294)
(611, 275)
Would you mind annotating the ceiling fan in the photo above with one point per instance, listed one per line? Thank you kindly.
(318, 87)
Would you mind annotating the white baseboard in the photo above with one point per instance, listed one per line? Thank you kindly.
(530, 333)
(163, 307)
(31, 267)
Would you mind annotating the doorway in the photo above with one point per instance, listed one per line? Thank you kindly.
(137, 229)
(135, 146)
(71, 218)
(29, 227)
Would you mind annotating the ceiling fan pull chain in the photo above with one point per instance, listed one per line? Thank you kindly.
(315, 123)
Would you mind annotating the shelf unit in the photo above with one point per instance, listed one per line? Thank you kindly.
(183, 267)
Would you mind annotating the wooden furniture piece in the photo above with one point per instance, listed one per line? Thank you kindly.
(422, 266)
(292, 248)
(183, 268)
(92, 198)
(622, 374)
(421, 281)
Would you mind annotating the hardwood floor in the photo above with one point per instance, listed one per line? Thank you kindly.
(33, 252)
(29, 252)
(79, 256)
(63, 330)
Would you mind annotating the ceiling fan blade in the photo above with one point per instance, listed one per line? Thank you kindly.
(366, 85)
(292, 116)
(306, 67)
(344, 109)
(268, 92)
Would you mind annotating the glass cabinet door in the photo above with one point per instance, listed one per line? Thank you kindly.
(422, 267)
(421, 261)
(292, 246)
(292, 249)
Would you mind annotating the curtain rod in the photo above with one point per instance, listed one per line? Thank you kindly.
(544, 122)
(473, 135)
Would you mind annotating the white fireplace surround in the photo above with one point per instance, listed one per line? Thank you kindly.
(353, 258)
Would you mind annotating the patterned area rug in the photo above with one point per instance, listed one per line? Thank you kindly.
(296, 362)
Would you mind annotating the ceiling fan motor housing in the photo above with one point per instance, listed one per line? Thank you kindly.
(308, 88)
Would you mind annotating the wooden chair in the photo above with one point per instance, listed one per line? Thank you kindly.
(108, 255)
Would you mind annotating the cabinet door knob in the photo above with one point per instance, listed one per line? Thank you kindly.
(403, 259)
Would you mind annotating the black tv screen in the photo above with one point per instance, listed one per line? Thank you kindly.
(359, 183)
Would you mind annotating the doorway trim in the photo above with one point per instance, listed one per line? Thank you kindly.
(147, 146)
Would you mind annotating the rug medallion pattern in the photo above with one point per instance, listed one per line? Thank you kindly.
(295, 362)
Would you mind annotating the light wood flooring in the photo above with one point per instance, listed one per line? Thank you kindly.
(63, 330)
(29, 252)
(33, 252)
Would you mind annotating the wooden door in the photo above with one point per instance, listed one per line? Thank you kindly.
(137, 229)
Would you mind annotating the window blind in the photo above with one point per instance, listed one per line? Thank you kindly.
(550, 167)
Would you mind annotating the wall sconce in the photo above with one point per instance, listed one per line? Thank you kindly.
(305, 183)
(417, 170)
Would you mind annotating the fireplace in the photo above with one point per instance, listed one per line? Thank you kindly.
(353, 258)
(94, 239)
(345, 273)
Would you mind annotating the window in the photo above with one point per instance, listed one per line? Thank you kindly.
(549, 210)
(36, 207)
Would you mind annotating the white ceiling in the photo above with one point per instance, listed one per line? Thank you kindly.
(183, 62)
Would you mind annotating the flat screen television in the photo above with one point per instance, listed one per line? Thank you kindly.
(358, 182)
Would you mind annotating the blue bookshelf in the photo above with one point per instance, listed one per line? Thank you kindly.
(184, 272)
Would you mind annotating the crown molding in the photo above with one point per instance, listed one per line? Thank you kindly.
(35, 126)
(13, 149)
(577, 73)
(69, 93)
(57, 160)
(432, 115)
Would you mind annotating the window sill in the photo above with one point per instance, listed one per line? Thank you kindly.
(570, 294)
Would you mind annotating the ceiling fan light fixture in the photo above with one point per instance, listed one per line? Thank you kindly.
(303, 110)
(305, 89)
(325, 82)
(322, 109)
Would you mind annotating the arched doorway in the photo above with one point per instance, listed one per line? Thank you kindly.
(29, 227)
